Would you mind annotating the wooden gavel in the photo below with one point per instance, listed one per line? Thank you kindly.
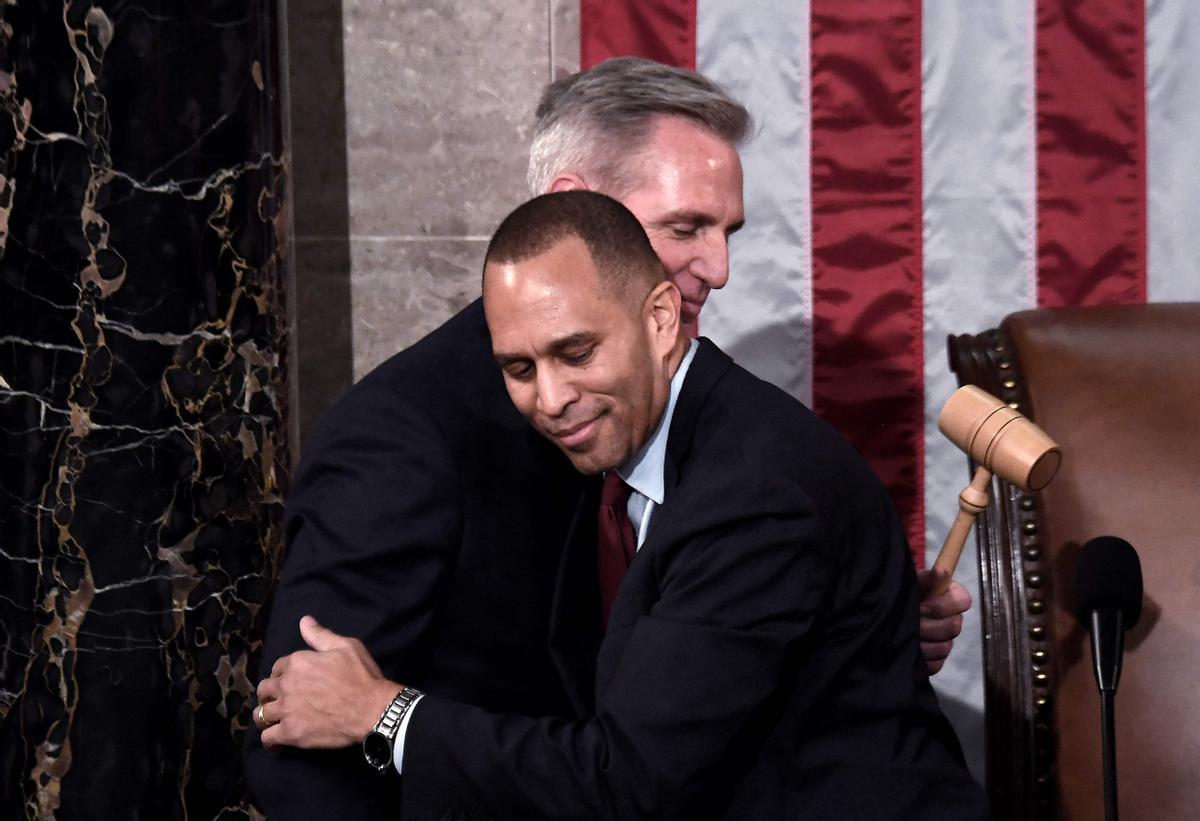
(1000, 441)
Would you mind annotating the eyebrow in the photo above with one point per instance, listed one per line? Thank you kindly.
(575, 340)
(557, 347)
(698, 217)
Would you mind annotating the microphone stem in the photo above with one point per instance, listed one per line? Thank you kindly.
(1109, 739)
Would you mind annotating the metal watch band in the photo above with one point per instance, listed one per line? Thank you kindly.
(387, 728)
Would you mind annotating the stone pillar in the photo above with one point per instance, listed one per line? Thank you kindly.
(400, 183)
(143, 412)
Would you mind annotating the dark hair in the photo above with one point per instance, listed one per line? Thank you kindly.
(595, 122)
(618, 245)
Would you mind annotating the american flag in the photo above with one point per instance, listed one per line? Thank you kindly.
(919, 169)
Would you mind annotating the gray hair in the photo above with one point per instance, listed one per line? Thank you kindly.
(594, 122)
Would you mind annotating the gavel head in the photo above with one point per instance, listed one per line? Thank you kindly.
(999, 438)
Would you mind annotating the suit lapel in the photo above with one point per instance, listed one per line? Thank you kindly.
(575, 631)
(708, 366)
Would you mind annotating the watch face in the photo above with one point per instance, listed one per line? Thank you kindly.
(377, 750)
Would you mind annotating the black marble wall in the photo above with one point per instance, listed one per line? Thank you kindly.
(143, 445)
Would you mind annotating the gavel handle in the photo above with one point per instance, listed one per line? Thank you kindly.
(971, 502)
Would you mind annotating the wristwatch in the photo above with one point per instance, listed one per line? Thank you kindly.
(380, 742)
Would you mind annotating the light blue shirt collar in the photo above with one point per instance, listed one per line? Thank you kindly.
(645, 471)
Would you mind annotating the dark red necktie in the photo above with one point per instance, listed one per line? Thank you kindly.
(616, 544)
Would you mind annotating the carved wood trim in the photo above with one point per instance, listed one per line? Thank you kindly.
(1017, 644)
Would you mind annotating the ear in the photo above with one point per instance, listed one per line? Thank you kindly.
(662, 316)
(567, 181)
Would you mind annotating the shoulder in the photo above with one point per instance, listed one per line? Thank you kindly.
(746, 421)
(449, 361)
(438, 404)
(445, 382)
(437, 411)
(745, 446)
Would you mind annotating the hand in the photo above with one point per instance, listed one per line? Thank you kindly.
(941, 616)
(330, 696)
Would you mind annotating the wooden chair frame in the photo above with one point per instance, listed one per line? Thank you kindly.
(1018, 663)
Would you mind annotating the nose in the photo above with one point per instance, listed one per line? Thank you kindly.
(711, 265)
(554, 391)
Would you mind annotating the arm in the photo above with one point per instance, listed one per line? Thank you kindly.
(678, 711)
(373, 527)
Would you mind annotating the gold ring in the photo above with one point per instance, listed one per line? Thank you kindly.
(262, 716)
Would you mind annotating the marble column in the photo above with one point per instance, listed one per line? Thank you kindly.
(143, 417)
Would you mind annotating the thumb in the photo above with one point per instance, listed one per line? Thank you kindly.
(929, 580)
(318, 637)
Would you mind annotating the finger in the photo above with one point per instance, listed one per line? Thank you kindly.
(273, 736)
(268, 690)
(929, 579)
(936, 652)
(260, 717)
(267, 713)
(941, 629)
(318, 637)
(955, 601)
(960, 595)
(280, 666)
(934, 666)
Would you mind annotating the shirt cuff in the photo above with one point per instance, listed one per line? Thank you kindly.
(398, 747)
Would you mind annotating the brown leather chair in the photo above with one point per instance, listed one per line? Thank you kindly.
(1119, 389)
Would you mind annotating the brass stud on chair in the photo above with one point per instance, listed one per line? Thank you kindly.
(1037, 632)
(1035, 607)
(1039, 656)
(1033, 580)
(1040, 679)
(1033, 553)
(1029, 528)
(1027, 503)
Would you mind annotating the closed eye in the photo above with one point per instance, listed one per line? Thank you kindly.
(577, 348)
(519, 369)
(683, 230)
(578, 357)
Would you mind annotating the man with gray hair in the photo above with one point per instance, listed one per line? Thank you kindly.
(663, 141)
(427, 519)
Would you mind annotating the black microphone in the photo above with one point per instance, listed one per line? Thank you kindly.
(1108, 600)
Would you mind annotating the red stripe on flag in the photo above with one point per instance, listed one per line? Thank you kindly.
(868, 359)
(663, 30)
(1091, 166)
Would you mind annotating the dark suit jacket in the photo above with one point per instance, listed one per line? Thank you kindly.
(761, 660)
(427, 519)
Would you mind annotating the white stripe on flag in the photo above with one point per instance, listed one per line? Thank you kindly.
(1172, 150)
(763, 318)
(980, 260)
